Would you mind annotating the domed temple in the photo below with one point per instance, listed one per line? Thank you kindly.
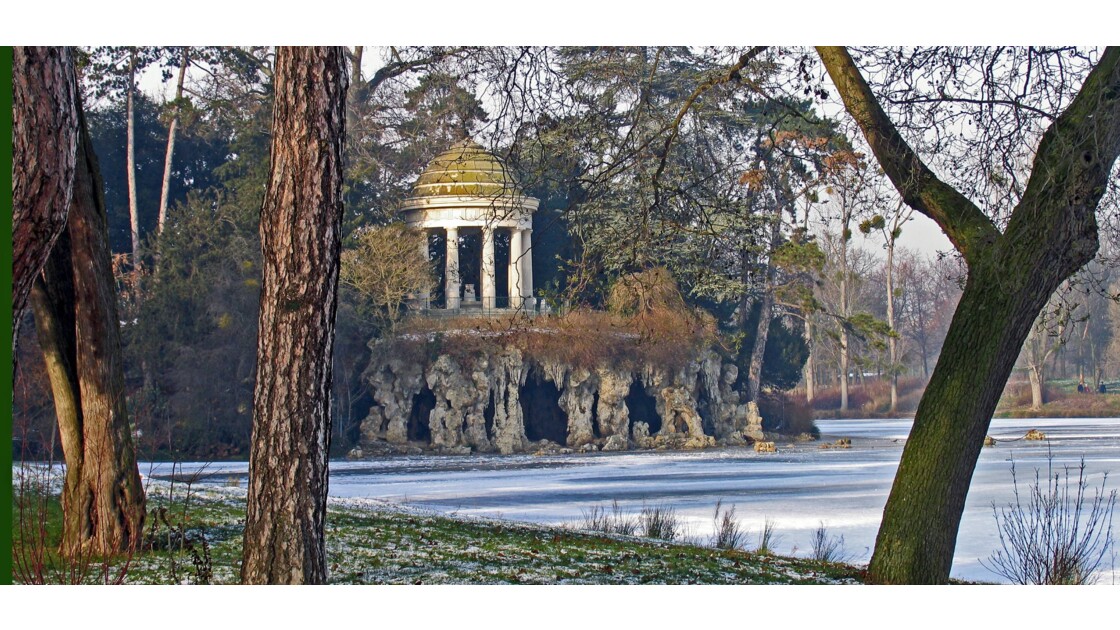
(468, 205)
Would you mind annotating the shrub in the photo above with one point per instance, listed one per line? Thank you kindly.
(787, 414)
(384, 268)
(1050, 537)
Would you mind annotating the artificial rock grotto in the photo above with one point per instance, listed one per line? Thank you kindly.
(502, 401)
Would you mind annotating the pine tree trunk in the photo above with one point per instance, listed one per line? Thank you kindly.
(76, 317)
(166, 187)
(754, 374)
(44, 150)
(300, 243)
(130, 113)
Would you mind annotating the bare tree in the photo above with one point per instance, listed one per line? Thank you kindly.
(1049, 332)
(300, 245)
(852, 182)
(1049, 231)
(385, 268)
(889, 225)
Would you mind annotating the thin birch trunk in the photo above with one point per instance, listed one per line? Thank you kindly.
(166, 187)
(133, 216)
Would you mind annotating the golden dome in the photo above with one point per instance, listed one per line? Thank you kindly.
(465, 170)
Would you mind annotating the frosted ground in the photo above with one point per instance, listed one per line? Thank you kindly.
(799, 487)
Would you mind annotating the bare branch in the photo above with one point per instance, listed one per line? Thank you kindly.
(970, 230)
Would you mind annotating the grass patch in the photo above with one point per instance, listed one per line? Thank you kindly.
(369, 542)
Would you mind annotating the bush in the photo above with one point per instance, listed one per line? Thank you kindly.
(787, 414)
(1049, 537)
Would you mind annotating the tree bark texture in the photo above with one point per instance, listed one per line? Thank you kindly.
(1037, 378)
(44, 150)
(52, 302)
(76, 317)
(300, 242)
(1052, 233)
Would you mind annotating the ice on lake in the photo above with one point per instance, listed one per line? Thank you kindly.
(798, 488)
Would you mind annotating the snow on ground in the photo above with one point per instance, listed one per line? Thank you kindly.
(798, 488)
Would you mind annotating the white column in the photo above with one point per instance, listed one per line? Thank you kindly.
(489, 292)
(527, 268)
(424, 295)
(516, 278)
(451, 269)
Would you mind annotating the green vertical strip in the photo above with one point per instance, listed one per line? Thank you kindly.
(6, 314)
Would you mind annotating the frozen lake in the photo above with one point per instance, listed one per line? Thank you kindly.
(798, 488)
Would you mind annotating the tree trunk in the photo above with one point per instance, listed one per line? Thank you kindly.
(892, 341)
(917, 536)
(843, 369)
(130, 113)
(52, 302)
(76, 316)
(1035, 373)
(758, 351)
(356, 70)
(44, 150)
(1051, 233)
(300, 244)
(766, 310)
(809, 376)
(165, 189)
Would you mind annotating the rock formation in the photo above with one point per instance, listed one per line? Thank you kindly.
(501, 400)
